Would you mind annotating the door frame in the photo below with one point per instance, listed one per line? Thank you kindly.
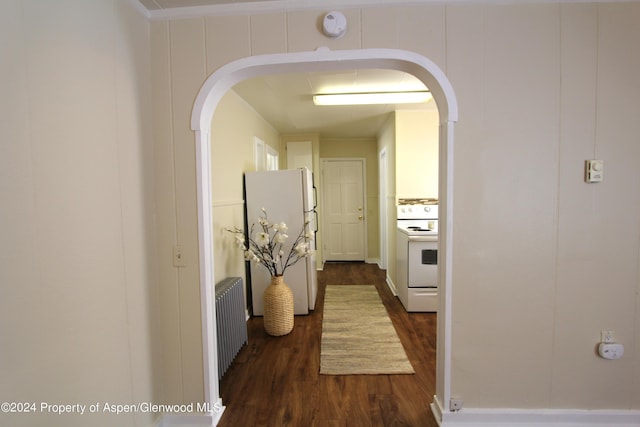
(210, 94)
(365, 223)
(383, 194)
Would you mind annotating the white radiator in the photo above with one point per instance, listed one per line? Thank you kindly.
(231, 324)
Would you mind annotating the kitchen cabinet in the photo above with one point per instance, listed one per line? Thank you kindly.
(417, 154)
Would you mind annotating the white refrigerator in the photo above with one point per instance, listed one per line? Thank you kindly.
(288, 196)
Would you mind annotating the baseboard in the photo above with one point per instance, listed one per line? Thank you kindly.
(191, 420)
(392, 286)
(478, 417)
(372, 261)
(436, 410)
(186, 420)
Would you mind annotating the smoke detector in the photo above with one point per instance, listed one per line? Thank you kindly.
(334, 24)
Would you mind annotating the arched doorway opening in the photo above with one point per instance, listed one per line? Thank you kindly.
(212, 91)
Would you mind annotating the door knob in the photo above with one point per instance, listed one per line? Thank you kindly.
(360, 217)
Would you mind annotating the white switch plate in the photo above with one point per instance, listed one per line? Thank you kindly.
(593, 170)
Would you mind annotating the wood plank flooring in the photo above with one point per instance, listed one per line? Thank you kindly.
(275, 381)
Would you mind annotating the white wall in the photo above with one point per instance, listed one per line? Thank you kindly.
(176, 217)
(417, 152)
(234, 126)
(542, 261)
(77, 260)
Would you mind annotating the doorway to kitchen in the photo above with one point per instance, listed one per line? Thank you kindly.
(206, 102)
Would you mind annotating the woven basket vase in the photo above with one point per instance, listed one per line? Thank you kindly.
(278, 308)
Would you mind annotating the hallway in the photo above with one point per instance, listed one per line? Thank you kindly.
(274, 381)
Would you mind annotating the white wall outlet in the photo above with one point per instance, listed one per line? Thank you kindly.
(593, 170)
(610, 351)
(608, 337)
(455, 404)
(178, 257)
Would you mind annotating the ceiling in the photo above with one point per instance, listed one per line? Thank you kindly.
(285, 101)
(172, 4)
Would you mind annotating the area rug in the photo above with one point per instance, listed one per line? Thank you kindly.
(357, 334)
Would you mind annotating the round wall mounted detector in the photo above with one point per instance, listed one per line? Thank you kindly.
(334, 24)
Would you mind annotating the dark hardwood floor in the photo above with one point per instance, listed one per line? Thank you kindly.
(275, 381)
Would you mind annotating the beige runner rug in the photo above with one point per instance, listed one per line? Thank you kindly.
(357, 334)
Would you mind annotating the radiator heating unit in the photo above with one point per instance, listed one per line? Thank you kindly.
(231, 324)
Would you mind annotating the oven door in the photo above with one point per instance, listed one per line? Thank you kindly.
(423, 262)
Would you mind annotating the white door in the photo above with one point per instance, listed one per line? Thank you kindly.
(343, 210)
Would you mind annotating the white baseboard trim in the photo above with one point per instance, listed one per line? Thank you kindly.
(373, 261)
(392, 286)
(436, 410)
(478, 417)
(191, 420)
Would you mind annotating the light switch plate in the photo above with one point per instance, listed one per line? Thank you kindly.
(593, 170)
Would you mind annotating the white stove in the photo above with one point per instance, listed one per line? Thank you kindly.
(417, 255)
(418, 219)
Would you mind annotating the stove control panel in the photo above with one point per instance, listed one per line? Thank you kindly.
(417, 211)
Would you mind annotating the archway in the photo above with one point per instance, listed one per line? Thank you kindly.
(212, 91)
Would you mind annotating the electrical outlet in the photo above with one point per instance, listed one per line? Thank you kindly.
(455, 404)
(608, 337)
(610, 351)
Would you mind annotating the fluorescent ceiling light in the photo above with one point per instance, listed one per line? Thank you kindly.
(372, 98)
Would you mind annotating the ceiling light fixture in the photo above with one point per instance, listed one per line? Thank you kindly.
(368, 98)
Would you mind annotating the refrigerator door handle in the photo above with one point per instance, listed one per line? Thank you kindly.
(315, 197)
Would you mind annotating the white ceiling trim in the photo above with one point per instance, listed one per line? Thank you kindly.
(275, 6)
(140, 8)
(257, 8)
